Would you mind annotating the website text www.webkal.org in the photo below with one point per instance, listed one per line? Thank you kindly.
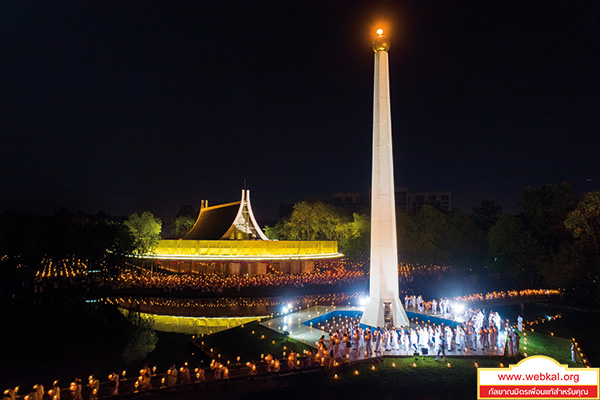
(538, 380)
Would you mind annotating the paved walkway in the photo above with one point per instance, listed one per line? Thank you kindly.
(294, 323)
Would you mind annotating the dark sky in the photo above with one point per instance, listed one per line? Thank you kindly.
(127, 106)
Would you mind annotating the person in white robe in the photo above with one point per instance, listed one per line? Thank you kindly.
(460, 339)
(498, 321)
(437, 339)
(361, 337)
(414, 340)
(387, 339)
(448, 338)
(395, 340)
(378, 341)
(407, 342)
(423, 337)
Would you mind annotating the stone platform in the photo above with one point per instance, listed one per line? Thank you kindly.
(308, 325)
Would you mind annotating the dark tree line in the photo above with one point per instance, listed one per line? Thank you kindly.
(432, 237)
(543, 244)
(29, 242)
(553, 240)
(32, 237)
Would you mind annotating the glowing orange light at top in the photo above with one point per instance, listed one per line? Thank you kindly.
(380, 32)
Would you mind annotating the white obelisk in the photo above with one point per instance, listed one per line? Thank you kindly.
(384, 306)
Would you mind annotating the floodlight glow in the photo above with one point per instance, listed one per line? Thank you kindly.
(285, 310)
(289, 305)
(459, 308)
(363, 301)
(380, 32)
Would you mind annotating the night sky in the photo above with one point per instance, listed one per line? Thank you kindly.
(126, 106)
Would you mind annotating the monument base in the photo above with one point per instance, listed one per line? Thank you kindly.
(384, 312)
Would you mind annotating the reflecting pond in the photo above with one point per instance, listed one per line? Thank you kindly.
(64, 338)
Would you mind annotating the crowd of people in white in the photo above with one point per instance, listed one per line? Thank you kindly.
(479, 332)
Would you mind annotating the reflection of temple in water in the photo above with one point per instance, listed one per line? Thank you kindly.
(226, 239)
(192, 325)
(201, 307)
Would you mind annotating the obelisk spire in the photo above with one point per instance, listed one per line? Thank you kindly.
(384, 306)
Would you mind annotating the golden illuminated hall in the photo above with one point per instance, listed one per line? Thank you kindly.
(227, 239)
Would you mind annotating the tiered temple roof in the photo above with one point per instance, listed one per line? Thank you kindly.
(231, 221)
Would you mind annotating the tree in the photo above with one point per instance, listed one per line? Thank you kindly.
(271, 232)
(184, 221)
(506, 241)
(142, 338)
(145, 230)
(355, 245)
(462, 242)
(430, 223)
(314, 221)
(584, 222)
(323, 221)
(183, 224)
(405, 230)
(565, 268)
(486, 214)
(545, 209)
(121, 241)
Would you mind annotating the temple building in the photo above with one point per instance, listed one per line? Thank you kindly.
(227, 239)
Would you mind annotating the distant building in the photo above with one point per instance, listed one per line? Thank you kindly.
(352, 202)
(226, 239)
(402, 198)
(439, 200)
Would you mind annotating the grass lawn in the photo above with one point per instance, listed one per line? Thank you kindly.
(394, 378)
(241, 341)
(535, 343)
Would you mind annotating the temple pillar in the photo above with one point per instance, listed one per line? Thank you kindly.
(295, 267)
(261, 268)
(234, 268)
(308, 266)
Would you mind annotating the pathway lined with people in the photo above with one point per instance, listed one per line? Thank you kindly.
(341, 333)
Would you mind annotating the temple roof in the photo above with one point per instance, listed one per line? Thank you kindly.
(233, 221)
(229, 233)
(213, 222)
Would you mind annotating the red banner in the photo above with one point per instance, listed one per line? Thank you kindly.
(537, 392)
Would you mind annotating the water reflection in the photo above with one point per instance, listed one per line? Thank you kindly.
(67, 337)
(228, 306)
(191, 325)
